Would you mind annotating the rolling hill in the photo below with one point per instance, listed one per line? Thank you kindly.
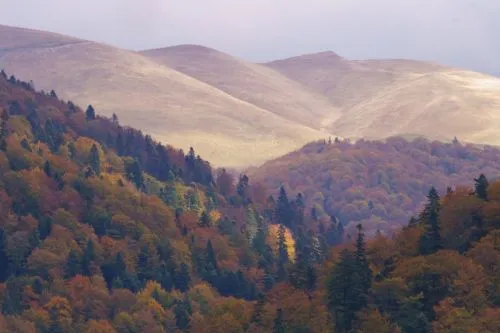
(238, 113)
(166, 103)
(382, 98)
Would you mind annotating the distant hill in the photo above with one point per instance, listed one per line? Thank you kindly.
(381, 98)
(380, 184)
(239, 114)
(161, 101)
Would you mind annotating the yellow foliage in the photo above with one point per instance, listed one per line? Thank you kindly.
(273, 240)
(215, 215)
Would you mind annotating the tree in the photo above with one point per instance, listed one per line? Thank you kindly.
(481, 187)
(134, 173)
(278, 325)
(364, 268)
(90, 113)
(283, 258)
(283, 211)
(88, 258)
(73, 265)
(4, 260)
(205, 221)
(211, 258)
(346, 291)
(95, 161)
(430, 242)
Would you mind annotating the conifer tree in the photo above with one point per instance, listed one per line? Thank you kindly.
(205, 221)
(346, 290)
(283, 213)
(364, 269)
(95, 161)
(88, 258)
(481, 187)
(47, 169)
(90, 113)
(278, 325)
(211, 258)
(73, 265)
(430, 242)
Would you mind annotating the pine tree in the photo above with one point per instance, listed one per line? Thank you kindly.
(205, 221)
(283, 213)
(95, 161)
(481, 187)
(278, 325)
(211, 258)
(182, 279)
(430, 242)
(73, 264)
(47, 169)
(4, 259)
(346, 290)
(364, 269)
(134, 173)
(88, 258)
(90, 113)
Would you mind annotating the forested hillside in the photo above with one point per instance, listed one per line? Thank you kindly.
(380, 184)
(102, 229)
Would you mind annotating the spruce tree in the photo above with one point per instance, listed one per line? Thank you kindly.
(430, 242)
(90, 113)
(205, 221)
(95, 161)
(345, 291)
(73, 265)
(88, 258)
(278, 325)
(211, 258)
(481, 187)
(283, 213)
(364, 269)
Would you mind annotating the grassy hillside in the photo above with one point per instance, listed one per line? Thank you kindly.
(382, 98)
(378, 184)
(256, 84)
(168, 104)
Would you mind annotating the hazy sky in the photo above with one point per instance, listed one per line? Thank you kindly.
(463, 33)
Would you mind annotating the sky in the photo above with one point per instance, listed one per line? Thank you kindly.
(461, 33)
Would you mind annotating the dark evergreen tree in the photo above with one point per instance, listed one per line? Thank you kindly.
(211, 258)
(182, 279)
(205, 221)
(278, 324)
(73, 265)
(258, 309)
(95, 161)
(45, 227)
(134, 173)
(364, 268)
(283, 213)
(183, 313)
(88, 258)
(47, 169)
(345, 291)
(430, 242)
(4, 259)
(481, 187)
(90, 113)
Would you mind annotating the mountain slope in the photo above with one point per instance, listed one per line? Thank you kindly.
(170, 105)
(253, 83)
(381, 98)
(378, 184)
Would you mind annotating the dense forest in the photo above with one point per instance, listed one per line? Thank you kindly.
(103, 229)
(379, 184)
